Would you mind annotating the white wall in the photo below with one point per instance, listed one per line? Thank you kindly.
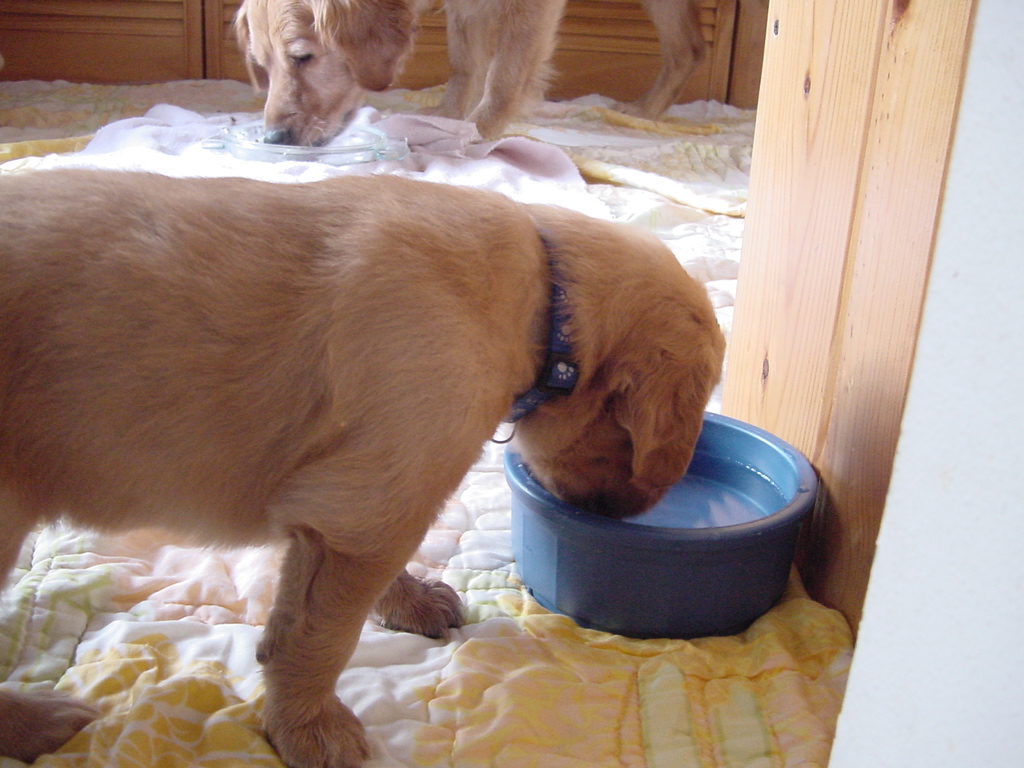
(938, 675)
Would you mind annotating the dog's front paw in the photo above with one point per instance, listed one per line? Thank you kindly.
(428, 608)
(330, 737)
(37, 723)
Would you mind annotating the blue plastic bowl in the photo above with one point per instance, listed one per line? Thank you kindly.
(709, 559)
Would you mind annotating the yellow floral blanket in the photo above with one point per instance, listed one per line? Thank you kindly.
(162, 637)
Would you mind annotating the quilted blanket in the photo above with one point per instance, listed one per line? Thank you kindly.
(161, 635)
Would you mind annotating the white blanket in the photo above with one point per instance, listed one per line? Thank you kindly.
(170, 140)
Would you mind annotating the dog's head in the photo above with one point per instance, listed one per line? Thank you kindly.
(318, 58)
(617, 449)
(650, 354)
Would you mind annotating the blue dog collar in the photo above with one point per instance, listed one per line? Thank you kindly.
(560, 371)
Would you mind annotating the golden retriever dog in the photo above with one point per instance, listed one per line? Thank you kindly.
(320, 364)
(318, 58)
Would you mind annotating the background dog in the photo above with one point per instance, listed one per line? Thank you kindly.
(318, 58)
(319, 363)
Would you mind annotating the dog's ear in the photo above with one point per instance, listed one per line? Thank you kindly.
(660, 399)
(376, 34)
(257, 75)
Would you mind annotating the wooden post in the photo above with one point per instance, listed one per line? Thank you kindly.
(857, 105)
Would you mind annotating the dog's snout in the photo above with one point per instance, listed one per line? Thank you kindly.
(620, 502)
(605, 504)
(278, 136)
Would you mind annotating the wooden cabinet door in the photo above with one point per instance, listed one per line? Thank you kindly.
(610, 47)
(223, 59)
(102, 41)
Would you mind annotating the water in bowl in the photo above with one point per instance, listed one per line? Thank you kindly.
(714, 494)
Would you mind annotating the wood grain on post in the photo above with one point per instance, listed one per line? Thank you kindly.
(857, 104)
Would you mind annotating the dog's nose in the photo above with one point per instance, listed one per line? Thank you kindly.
(278, 136)
(622, 502)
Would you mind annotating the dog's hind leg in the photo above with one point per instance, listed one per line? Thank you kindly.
(682, 48)
(37, 722)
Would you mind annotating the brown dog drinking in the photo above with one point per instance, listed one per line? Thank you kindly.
(320, 364)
